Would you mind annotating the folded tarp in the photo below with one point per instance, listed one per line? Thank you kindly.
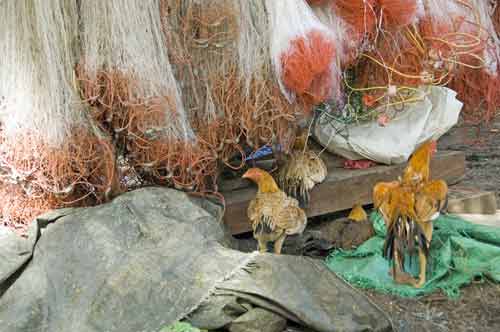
(152, 257)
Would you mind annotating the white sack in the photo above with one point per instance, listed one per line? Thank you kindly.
(394, 143)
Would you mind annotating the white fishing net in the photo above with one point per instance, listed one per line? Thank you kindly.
(50, 153)
(482, 15)
(125, 38)
(125, 74)
(36, 67)
(222, 58)
(253, 42)
(203, 34)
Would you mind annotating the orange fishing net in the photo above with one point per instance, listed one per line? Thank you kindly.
(229, 113)
(269, 118)
(163, 159)
(18, 208)
(359, 14)
(108, 95)
(466, 46)
(451, 49)
(398, 13)
(307, 67)
(257, 117)
(395, 61)
(80, 172)
(480, 93)
(141, 132)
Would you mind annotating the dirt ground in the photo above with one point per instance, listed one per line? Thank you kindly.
(478, 308)
(482, 154)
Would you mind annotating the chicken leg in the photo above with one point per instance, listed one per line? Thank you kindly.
(262, 245)
(422, 258)
(278, 244)
(398, 274)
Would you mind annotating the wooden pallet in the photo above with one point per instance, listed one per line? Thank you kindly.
(341, 189)
(471, 201)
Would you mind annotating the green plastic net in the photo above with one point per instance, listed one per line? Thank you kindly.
(460, 252)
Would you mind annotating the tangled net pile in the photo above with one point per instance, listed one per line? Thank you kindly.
(126, 77)
(221, 55)
(98, 97)
(407, 44)
(51, 154)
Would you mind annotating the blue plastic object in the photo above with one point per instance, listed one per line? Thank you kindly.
(264, 151)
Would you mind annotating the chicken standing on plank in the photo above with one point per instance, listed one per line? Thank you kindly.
(302, 170)
(273, 214)
(408, 207)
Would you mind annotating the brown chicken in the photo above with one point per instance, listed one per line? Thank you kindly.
(301, 171)
(408, 207)
(273, 214)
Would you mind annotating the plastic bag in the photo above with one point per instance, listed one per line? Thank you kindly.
(394, 143)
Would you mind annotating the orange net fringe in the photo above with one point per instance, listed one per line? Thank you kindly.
(359, 14)
(438, 53)
(307, 67)
(140, 129)
(18, 208)
(36, 177)
(398, 13)
(257, 117)
(474, 83)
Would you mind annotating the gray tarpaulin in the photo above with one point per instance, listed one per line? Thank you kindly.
(154, 256)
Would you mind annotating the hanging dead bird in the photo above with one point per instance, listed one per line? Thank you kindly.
(272, 213)
(301, 171)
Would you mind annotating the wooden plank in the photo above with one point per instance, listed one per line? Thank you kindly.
(227, 186)
(342, 188)
(471, 201)
(482, 219)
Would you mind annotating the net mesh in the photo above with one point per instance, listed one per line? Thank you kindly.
(97, 97)
(440, 43)
(459, 253)
(237, 105)
(51, 155)
(127, 78)
(302, 52)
